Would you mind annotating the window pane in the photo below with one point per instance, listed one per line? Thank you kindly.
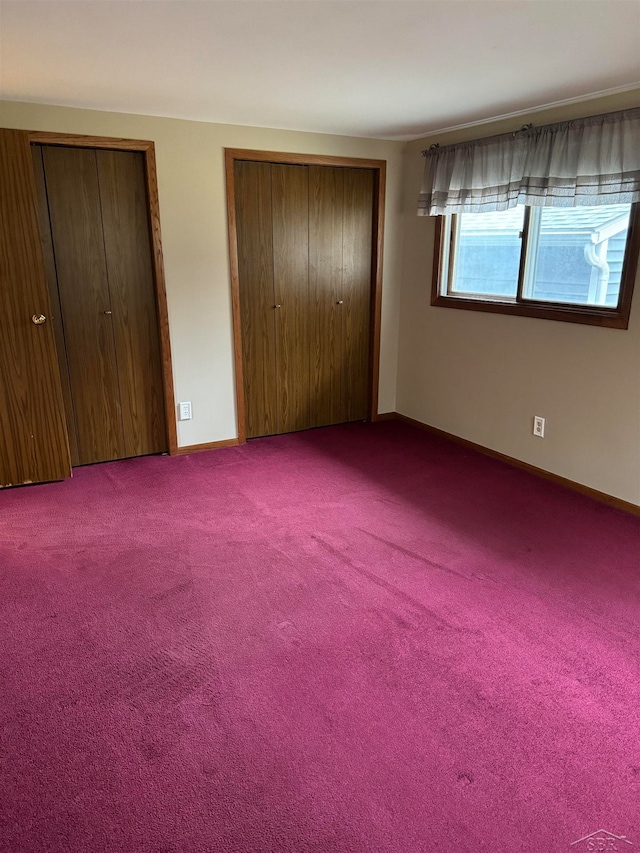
(576, 254)
(487, 253)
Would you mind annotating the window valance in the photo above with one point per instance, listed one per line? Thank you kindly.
(588, 161)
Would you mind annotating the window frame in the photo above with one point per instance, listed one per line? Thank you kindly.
(592, 315)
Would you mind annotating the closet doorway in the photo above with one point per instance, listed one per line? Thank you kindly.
(305, 238)
(107, 305)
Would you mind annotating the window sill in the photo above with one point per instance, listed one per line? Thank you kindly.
(591, 316)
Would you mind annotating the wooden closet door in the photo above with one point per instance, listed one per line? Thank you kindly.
(76, 226)
(255, 269)
(127, 248)
(54, 298)
(33, 436)
(290, 208)
(326, 303)
(356, 282)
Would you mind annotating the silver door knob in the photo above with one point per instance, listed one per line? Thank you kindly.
(107, 312)
(277, 306)
(340, 301)
(38, 319)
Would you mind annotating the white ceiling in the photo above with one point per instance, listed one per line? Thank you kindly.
(390, 69)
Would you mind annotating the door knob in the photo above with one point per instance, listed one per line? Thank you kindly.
(340, 301)
(277, 306)
(38, 319)
(107, 312)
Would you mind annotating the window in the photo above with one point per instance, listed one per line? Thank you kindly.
(561, 263)
(540, 221)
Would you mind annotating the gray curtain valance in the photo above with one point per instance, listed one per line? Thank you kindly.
(589, 161)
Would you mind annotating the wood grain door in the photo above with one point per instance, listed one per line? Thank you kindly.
(54, 299)
(326, 303)
(33, 436)
(127, 249)
(356, 291)
(257, 299)
(76, 225)
(290, 210)
(305, 250)
(95, 236)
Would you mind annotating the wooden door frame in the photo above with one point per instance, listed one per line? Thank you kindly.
(379, 168)
(147, 148)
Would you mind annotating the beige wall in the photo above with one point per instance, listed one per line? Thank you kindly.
(484, 376)
(190, 161)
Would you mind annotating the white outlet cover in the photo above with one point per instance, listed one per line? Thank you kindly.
(538, 426)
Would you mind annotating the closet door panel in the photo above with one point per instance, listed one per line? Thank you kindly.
(33, 436)
(290, 206)
(127, 246)
(326, 214)
(76, 226)
(357, 248)
(54, 299)
(257, 300)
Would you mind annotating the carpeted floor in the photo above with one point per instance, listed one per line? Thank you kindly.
(358, 639)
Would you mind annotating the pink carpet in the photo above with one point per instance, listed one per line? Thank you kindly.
(357, 639)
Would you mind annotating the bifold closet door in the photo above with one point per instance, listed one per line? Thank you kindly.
(33, 437)
(78, 243)
(273, 256)
(304, 237)
(95, 234)
(257, 301)
(340, 253)
(357, 245)
(54, 299)
(127, 246)
(327, 356)
(290, 206)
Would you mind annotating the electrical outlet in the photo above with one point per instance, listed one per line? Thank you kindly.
(538, 426)
(185, 411)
